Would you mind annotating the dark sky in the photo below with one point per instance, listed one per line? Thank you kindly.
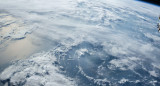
(156, 2)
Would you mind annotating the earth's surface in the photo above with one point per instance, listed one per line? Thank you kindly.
(79, 43)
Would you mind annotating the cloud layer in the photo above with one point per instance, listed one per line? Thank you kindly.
(85, 42)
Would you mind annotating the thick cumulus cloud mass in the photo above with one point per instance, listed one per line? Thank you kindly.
(91, 43)
(38, 70)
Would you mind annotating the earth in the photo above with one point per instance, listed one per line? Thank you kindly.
(79, 43)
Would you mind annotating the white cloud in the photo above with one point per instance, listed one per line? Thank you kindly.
(69, 23)
(36, 70)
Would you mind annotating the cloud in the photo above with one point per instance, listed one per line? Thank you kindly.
(37, 70)
(68, 25)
